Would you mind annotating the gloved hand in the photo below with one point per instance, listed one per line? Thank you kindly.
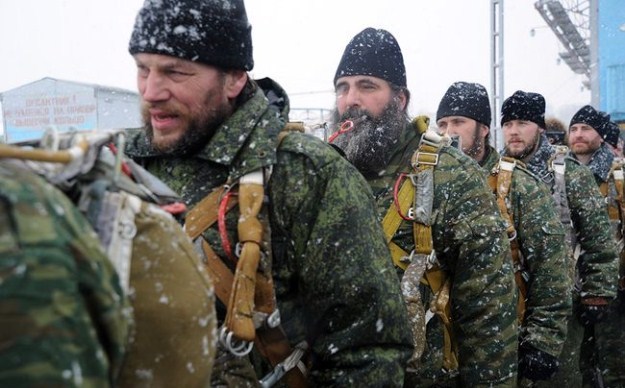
(593, 310)
(621, 301)
(535, 364)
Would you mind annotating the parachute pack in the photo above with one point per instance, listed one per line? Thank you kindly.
(173, 339)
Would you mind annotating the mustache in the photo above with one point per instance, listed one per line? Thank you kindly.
(356, 116)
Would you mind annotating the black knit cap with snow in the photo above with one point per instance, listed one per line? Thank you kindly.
(612, 133)
(598, 120)
(212, 32)
(466, 99)
(373, 52)
(524, 106)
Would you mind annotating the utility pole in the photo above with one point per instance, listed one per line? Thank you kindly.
(496, 76)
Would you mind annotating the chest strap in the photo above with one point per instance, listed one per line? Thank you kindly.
(413, 201)
(500, 181)
(248, 294)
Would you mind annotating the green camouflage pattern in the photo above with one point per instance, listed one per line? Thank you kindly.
(470, 243)
(333, 275)
(597, 264)
(605, 341)
(542, 245)
(594, 272)
(63, 316)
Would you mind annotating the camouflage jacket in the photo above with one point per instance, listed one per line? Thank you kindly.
(596, 268)
(601, 165)
(542, 245)
(63, 315)
(333, 276)
(470, 244)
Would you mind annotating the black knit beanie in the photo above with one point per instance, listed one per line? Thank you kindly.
(468, 100)
(213, 32)
(524, 106)
(599, 121)
(373, 52)
(612, 133)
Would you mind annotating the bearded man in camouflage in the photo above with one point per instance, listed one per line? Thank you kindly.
(591, 136)
(64, 318)
(468, 234)
(592, 257)
(207, 124)
(536, 233)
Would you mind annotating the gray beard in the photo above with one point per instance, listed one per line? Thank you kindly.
(368, 145)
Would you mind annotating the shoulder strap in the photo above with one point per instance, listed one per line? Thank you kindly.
(413, 202)
(252, 313)
(500, 181)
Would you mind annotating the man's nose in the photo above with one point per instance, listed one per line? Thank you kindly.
(352, 98)
(154, 88)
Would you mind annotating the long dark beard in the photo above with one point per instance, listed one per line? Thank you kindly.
(369, 143)
(478, 143)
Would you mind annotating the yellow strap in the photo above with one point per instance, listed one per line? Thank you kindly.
(204, 214)
(397, 254)
(500, 185)
(241, 304)
(426, 157)
(392, 220)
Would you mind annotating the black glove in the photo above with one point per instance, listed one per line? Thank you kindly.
(589, 314)
(621, 301)
(535, 364)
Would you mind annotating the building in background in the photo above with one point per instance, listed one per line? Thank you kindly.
(592, 33)
(610, 29)
(31, 109)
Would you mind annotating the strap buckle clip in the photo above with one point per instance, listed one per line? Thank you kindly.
(234, 346)
(292, 361)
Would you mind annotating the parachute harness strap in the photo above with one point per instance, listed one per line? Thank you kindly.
(413, 200)
(500, 181)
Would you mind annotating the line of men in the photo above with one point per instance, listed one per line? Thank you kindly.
(388, 257)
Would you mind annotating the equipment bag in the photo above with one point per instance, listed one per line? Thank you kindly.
(174, 335)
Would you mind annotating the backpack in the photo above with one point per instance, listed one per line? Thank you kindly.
(172, 297)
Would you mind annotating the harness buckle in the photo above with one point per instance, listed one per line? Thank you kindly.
(422, 157)
(292, 361)
(234, 346)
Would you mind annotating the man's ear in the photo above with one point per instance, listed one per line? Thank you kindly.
(235, 81)
(484, 129)
(402, 99)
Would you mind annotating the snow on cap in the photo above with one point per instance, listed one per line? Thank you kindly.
(213, 32)
(373, 52)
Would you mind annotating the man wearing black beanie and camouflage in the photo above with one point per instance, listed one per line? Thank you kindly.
(536, 235)
(285, 224)
(591, 136)
(591, 259)
(438, 217)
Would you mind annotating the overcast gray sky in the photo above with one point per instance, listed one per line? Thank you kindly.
(299, 44)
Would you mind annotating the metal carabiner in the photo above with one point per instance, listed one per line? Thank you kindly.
(243, 348)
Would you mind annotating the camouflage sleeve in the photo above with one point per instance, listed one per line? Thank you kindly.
(475, 249)
(348, 302)
(597, 264)
(62, 321)
(100, 287)
(542, 242)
